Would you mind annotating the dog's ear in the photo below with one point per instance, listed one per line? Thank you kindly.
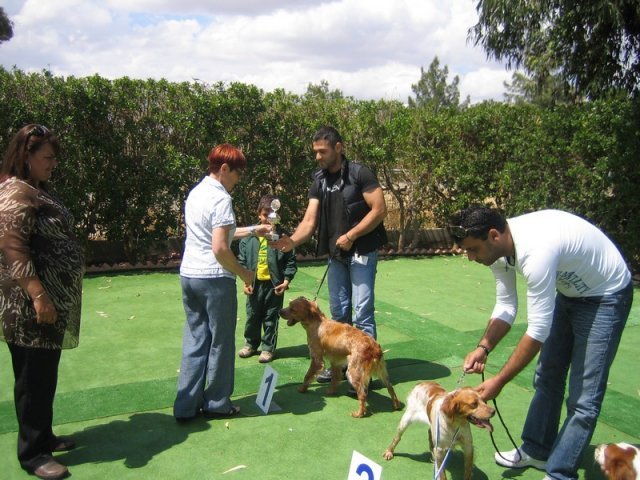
(456, 402)
(618, 462)
(300, 301)
(450, 406)
(301, 306)
(314, 310)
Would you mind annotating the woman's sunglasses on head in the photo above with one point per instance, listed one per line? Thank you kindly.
(37, 131)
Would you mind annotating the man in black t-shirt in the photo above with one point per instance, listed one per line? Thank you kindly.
(346, 208)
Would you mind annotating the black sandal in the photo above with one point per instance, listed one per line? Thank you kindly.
(231, 413)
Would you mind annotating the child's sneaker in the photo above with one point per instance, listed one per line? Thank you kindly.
(246, 352)
(265, 357)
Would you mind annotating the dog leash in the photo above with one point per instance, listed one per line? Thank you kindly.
(325, 273)
(437, 471)
(495, 404)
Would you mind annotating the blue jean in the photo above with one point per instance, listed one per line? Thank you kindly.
(207, 374)
(351, 286)
(584, 336)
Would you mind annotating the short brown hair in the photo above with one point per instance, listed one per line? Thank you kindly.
(265, 202)
(226, 153)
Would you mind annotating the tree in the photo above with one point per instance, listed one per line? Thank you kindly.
(6, 26)
(322, 91)
(544, 89)
(432, 90)
(593, 44)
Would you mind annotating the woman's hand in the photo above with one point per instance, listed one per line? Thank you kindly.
(263, 229)
(45, 310)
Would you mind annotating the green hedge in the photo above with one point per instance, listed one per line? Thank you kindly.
(132, 149)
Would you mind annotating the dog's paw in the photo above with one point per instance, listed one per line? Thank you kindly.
(388, 454)
(358, 414)
(302, 388)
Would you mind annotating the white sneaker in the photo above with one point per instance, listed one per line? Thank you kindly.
(516, 458)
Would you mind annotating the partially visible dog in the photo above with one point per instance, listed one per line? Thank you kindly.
(619, 461)
(341, 344)
(449, 416)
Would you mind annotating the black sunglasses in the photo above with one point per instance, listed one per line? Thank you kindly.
(459, 232)
(37, 131)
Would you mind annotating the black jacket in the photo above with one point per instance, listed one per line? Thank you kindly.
(355, 206)
(281, 264)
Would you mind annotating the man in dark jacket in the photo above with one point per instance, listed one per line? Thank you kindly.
(347, 208)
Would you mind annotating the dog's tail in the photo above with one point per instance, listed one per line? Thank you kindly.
(372, 355)
(380, 367)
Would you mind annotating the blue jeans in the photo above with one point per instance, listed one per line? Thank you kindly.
(206, 377)
(351, 286)
(584, 336)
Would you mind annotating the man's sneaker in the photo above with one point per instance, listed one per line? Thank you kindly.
(324, 376)
(516, 458)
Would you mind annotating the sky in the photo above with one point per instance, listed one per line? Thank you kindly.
(368, 49)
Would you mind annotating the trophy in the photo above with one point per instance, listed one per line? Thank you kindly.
(274, 219)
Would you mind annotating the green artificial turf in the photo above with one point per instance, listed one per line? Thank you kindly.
(116, 390)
